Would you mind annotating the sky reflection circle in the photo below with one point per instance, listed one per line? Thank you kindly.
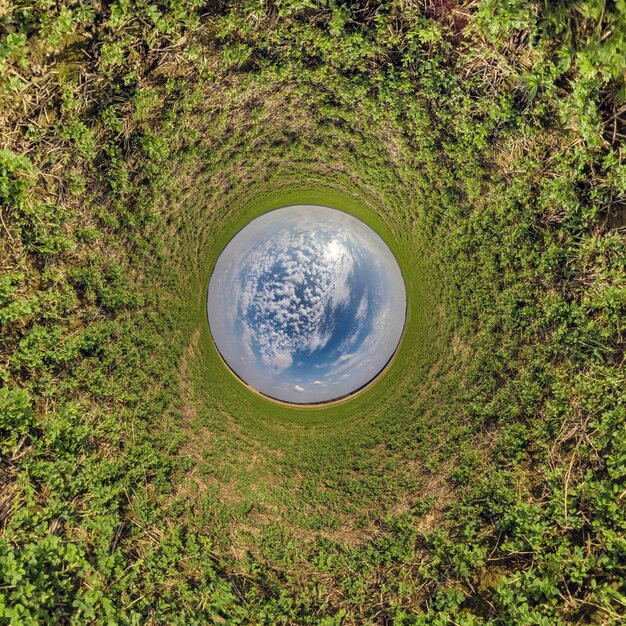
(306, 304)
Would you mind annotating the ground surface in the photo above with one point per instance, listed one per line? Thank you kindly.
(480, 480)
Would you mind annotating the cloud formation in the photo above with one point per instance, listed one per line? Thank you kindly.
(306, 304)
(290, 288)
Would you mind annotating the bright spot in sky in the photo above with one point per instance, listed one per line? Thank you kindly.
(306, 304)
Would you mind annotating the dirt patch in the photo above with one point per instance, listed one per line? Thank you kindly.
(451, 14)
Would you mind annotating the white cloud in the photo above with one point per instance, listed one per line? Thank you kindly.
(288, 284)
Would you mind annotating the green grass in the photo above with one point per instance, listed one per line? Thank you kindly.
(411, 351)
(479, 480)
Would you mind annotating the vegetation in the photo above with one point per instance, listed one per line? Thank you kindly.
(481, 480)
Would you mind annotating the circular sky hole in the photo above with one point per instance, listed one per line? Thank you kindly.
(306, 304)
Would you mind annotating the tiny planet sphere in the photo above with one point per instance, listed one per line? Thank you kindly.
(306, 304)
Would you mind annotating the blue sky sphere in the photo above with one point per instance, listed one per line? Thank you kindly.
(306, 304)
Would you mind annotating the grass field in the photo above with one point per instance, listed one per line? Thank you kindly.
(480, 480)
